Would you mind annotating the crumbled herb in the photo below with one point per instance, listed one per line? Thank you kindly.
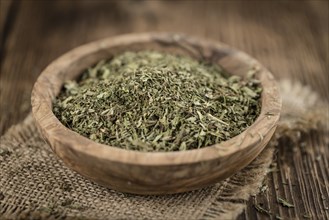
(66, 187)
(151, 101)
(285, 203)
(67, 202)
(260, 209)
(77, 206)
(263, 188)
(4, 152)
(306, 215)
(278, 217)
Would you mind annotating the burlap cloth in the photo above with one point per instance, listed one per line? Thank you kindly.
(34, 184)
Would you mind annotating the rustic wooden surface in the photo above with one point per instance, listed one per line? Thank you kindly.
(288, 37)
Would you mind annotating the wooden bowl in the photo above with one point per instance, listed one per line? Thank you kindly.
(153, 172)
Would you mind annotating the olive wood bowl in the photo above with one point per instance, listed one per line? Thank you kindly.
(153, 172)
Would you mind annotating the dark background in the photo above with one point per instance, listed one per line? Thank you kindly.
(289, 37)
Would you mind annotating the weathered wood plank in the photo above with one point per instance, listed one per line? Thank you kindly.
(5, 6)
(290, 38)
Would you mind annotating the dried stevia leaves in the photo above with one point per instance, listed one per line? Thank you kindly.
(150, 101)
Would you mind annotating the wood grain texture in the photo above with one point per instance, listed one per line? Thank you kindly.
(7, 10)
(290, 38)
(153, 172)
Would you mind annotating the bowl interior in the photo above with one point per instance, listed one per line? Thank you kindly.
(70, 66)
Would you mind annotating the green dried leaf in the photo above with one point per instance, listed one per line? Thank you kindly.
(278, 217)
(261, 209)
(285, 203)
(307, 215)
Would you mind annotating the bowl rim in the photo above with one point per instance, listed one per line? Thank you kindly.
(55, 133)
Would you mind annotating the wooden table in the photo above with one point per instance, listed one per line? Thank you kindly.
(288, 37)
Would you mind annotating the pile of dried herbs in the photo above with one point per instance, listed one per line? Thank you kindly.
(151, 101)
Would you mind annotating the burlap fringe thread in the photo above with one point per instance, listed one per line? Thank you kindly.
(35, 185)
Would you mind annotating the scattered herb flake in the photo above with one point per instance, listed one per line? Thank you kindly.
(307, 215)
(260, 209)
(278, 217)
(285, 203)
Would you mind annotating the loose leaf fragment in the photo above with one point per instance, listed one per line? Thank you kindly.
(261, 209)
(285, 203)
